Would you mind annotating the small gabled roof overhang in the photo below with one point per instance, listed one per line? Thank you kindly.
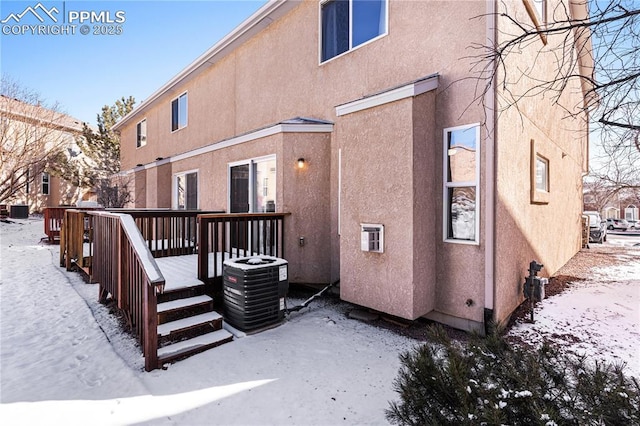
(262, 18)
(293, 125)
(406, 90)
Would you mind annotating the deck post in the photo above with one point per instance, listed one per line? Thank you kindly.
(151, 330)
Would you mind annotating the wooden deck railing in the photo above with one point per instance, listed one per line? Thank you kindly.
(225, 236)
(125, 268)
(53, 220)
(76, 239)
(167, 232)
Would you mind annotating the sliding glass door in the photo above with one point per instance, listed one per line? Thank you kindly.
(252, 189)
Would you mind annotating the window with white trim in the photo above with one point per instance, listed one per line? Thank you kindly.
(46, 180)
(179, 112)
(540, 178)
(540, 7)
(185, 194)
(141, 133)
(252, 185)
(542, 174)
(461, 190)
(347, 24)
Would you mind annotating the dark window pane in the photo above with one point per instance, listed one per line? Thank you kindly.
(335, 28)
(174, 115)
(239, 189)
(462, 213)
(369, 20)
(192, 191)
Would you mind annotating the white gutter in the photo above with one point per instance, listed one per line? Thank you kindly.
(490, 171)
(264, 16)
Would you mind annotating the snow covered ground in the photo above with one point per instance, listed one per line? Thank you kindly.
(598, 315)
(64, 360)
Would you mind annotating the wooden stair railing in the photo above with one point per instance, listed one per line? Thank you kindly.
(125, 268)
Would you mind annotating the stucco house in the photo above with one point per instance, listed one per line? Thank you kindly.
(31, 136)
(358, 119)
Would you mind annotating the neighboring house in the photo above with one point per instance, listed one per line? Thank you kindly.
(30, 136)
(419, 200)
(620, 204)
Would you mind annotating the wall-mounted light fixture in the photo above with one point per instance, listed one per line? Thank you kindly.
(301, 163)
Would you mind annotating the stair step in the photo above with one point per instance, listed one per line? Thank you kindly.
(187, 323)
(193, 346)
(183, 303)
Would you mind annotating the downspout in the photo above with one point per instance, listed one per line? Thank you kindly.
(490, 179)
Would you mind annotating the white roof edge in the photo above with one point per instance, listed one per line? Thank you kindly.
(415, 88)
(247, 137)
(247, 29)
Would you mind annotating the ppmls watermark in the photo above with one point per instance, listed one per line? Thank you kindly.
(57, 20)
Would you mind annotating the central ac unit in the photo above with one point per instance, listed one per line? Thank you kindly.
(254, 290)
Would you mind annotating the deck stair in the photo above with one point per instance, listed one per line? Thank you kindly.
(187, 322)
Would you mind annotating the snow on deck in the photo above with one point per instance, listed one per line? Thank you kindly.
(182, 271)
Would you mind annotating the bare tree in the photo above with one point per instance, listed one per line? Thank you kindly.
(598, 48)
(32, 138)
(593, 42)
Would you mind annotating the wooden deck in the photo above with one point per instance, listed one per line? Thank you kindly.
(162, 269)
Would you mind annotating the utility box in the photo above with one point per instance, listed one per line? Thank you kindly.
(254, 289)
(19, 211)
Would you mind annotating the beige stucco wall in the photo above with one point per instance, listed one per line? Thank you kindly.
(525, 230)
(391, 159)
(276, 75)
(302, 192)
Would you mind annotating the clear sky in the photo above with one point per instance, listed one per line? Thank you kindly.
(156, 40)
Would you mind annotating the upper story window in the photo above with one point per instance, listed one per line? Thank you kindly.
(346, 24)
(179, 112)
(45, 183)
(541, 9)
(540, 181)
(141, 133)
(542, 174)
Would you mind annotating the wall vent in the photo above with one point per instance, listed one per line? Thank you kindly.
(372, 237)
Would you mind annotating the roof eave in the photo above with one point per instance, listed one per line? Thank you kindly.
(262, 18)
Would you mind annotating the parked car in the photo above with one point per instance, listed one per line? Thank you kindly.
(597, 228)
(634, 224)
(617, 224)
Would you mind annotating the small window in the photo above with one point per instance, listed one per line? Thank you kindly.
(540, 182)
(141, 133)
(541, 9)
(45, 183)
(542, 174)
(346, 24)
(179, 112)
(461, 176)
